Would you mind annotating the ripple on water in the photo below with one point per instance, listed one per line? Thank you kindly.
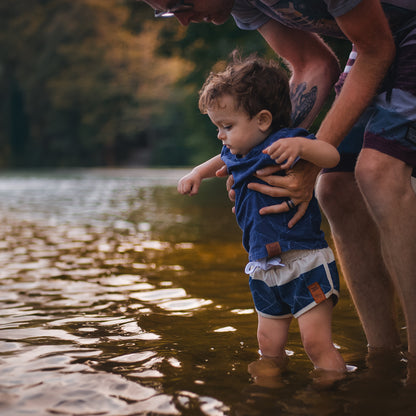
(186, 400)
(39, 333)
(51, 379)
(184, 304)
(67, 286)
(134, 358)
(95, 306)
(160, 294)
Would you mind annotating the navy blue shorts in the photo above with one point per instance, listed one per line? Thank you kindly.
(307, 278)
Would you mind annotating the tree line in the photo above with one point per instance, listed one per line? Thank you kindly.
(103, 83)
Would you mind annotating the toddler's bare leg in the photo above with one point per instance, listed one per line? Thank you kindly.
(316, 333)
(272, 336)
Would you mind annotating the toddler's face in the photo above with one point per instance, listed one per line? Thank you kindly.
(236, 129)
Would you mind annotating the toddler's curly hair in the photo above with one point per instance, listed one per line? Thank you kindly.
(255, 84)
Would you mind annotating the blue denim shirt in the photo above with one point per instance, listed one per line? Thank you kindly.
(267, 236)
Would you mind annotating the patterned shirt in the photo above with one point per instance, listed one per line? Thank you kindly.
(312, 15)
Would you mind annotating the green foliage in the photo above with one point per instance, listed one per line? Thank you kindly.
(92, 82)
(80, 81)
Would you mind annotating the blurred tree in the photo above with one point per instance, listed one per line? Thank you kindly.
(83, 88)
(92, 82)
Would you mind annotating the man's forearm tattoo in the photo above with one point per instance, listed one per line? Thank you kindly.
(302, 102)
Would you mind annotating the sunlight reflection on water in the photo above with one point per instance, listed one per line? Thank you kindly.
(120, 297)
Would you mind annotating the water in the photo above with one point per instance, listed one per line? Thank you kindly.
(118, 296)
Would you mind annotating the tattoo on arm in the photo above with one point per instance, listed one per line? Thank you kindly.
(302, 102)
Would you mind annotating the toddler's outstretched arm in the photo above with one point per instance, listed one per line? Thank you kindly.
(189, 184)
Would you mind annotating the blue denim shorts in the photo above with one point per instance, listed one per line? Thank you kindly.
(307, 278)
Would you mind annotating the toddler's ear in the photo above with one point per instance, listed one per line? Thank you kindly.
(264, 120)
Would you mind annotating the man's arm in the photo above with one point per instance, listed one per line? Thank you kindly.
(314, 67)
(367, 28)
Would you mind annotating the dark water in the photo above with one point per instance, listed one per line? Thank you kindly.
(118, 296)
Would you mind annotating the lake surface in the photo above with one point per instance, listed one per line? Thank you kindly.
(118, 296)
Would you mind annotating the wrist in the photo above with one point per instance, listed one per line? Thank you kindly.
(302, 147)
(197, 172)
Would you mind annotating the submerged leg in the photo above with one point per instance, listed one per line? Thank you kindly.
(386, 185)
(316, 331)
(358, 247)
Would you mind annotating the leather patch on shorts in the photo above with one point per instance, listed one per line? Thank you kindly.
(316, 292)
(273, 249)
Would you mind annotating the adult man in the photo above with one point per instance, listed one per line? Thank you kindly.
(372, 214)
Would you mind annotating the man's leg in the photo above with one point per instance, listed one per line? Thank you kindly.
(386, 185)
(357, 243)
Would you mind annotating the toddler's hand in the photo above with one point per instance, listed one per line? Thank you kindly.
(285, 151)
(189, 184)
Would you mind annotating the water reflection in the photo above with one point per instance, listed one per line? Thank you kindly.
(120, 297)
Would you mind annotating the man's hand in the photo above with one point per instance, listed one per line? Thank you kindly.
(297, 185)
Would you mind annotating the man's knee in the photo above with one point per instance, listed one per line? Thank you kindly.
(383, 180)
(369, 172)
(333, 191)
